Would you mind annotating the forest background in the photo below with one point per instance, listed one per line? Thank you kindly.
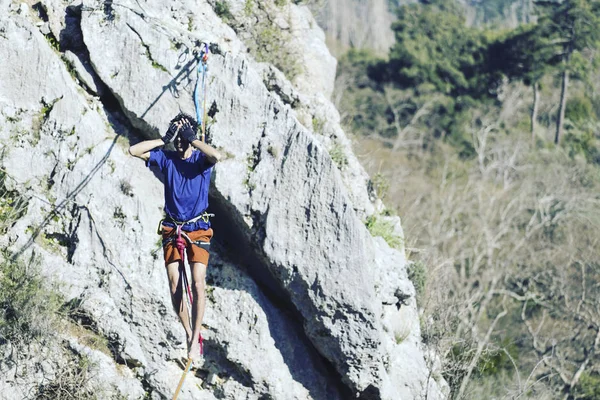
(483, 136)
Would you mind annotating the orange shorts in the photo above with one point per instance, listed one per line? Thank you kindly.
(195, 253)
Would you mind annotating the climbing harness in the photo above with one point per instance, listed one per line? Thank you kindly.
(204, 216)
(181, 239)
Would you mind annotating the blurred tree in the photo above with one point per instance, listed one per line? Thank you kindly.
(565, 33)
(523, 54)
(433, 45)
(572, 29)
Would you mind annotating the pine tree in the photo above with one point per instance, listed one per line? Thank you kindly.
(434, 46)
(523, 55)
(573, 27)
(564, 33)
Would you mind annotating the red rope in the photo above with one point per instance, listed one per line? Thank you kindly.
(181, 245)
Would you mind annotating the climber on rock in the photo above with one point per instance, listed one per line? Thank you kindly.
(186, 182)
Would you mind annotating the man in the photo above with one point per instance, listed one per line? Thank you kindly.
(187, 179)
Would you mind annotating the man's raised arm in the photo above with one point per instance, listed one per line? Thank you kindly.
(212, 155)
(142, 149)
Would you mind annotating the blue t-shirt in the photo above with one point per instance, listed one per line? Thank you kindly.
(186, 185)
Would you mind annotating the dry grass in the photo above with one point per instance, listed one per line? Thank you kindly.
(509, 228)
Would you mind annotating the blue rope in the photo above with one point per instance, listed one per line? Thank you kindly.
(202, 69)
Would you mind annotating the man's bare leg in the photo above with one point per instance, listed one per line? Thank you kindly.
(179, 303)
(198, 290)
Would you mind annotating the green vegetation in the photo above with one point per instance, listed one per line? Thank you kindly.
(156, 64)
(440, 70)
(418, 276)
(380, 185)
(251, 163)
(13, 205)
(401, 336)
(433, 46)
(589, 388)
(222, 10)
(318, 125)
(41, 119)
(559, 43)
(580, 109)
(70, 67)
(33, 313)
(272, 45)
(267, 41)
(159, 66)
(85, 335)
(210, 293)
(487, 143)
(338, 156)
(47, 108)
(249, 185)
(53, 42)
(248, 7)
(380, 227)
(29, 307)
(495, 12)
(72, 381)
(55, 242)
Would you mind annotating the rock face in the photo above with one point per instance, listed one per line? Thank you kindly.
(302, 301)
(357, 24)
(368, 24)
(509, 14)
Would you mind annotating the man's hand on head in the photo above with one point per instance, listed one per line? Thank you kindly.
(171, 134)
(187, 132)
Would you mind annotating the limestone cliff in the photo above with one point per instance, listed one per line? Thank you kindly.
(356, 24)
(302, 301)
(368, 24)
